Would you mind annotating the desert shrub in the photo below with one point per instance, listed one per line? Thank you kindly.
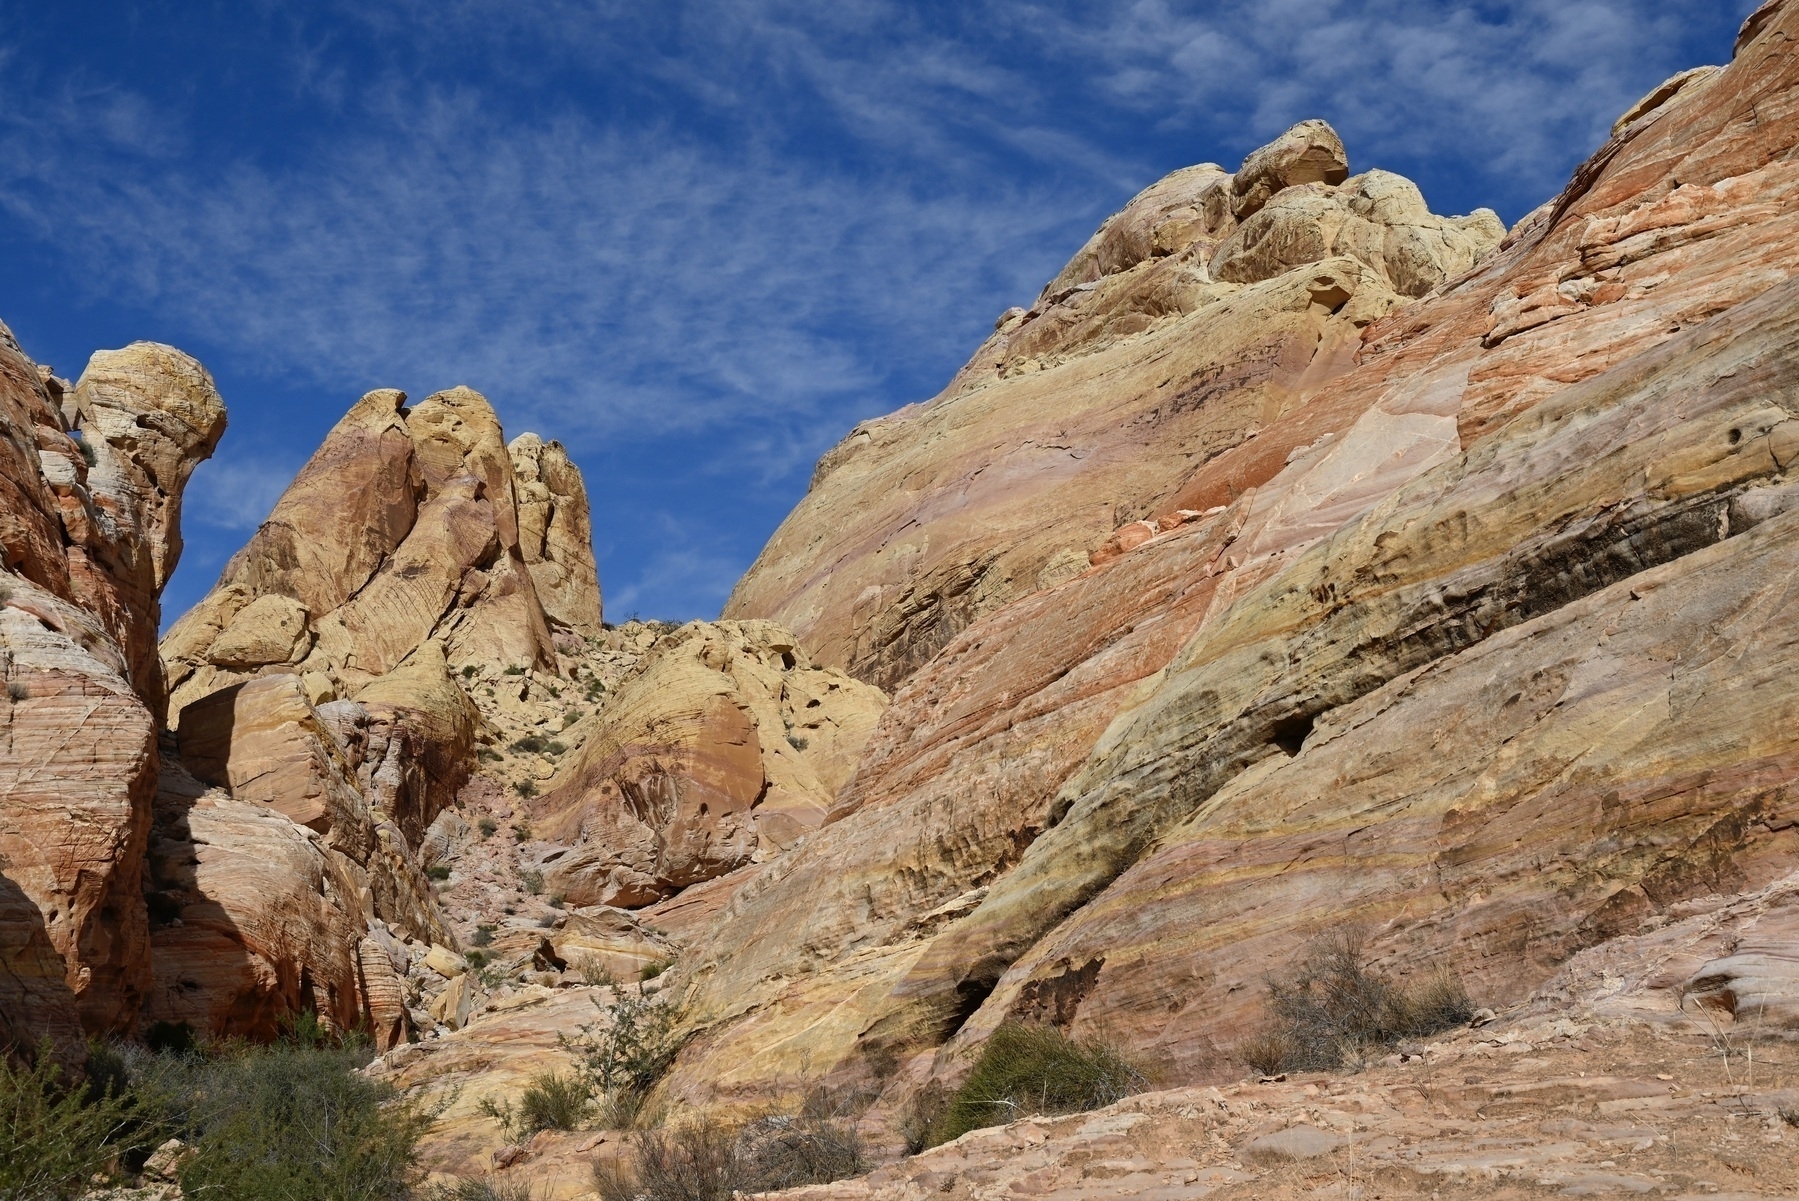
(551, 1101)
(817, 1145)
(477, 958)
(920, 1113)
(438, 871)
(532, 879)
(570, 718)
(623, 1057)
(488, 827)
(295, 1121)
(1331, 1009)
(710, 1161)
(53, 1137)
(89, 455)
(525, 788)
(555, 747)
(797, 742)
(470, 1189)
(522, 830)
(1036, 1069)
(698, 1162)
(593, 970)
(653, 968)
(515, 670)
(18, 690)
(488, 755)
(469, 670)
(558, 901)
(531, 744)
(483, 936)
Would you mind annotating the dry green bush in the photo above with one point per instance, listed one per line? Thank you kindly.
(471, 1189)
(551, 1101)
(54, 1138)
(1035, 1069)
(1331, 1010)
(710, 1161)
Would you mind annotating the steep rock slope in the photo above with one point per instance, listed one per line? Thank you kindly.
(1177, 333)
(1449, 478)
(723, 749)
(316, 696)
(90, 491)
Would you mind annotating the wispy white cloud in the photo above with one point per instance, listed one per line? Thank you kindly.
(776, 218)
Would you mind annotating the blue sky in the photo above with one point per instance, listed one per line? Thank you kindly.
(696, 240)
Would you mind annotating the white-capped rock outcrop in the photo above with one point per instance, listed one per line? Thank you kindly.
(1206, 310)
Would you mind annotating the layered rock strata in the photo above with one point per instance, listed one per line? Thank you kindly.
(1207, 309)
(1188, 744)
(91, 477)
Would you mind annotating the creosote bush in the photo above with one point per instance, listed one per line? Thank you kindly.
(1026, 1070)
(53, 1138)
(294, 1121)
(1331, 1009)
(623, 1057)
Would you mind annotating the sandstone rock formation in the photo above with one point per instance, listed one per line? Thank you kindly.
(1209, 308)
(1540, 516)
(91, 478)
(315, 683)
(726, 747)
(403, 528)
(556, 533)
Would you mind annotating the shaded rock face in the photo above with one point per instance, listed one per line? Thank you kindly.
(1209, 308)
(726, 747)
(1479, 643)
(86, 550)
(404, 527)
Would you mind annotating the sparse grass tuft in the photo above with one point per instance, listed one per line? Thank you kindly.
(1036, 1069)
(490, 1189)
(18, 690)
(1331, 1010)
(592, 969)
(550, 1102)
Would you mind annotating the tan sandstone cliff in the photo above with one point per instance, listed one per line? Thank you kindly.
(1456, 616)
(90, 493)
